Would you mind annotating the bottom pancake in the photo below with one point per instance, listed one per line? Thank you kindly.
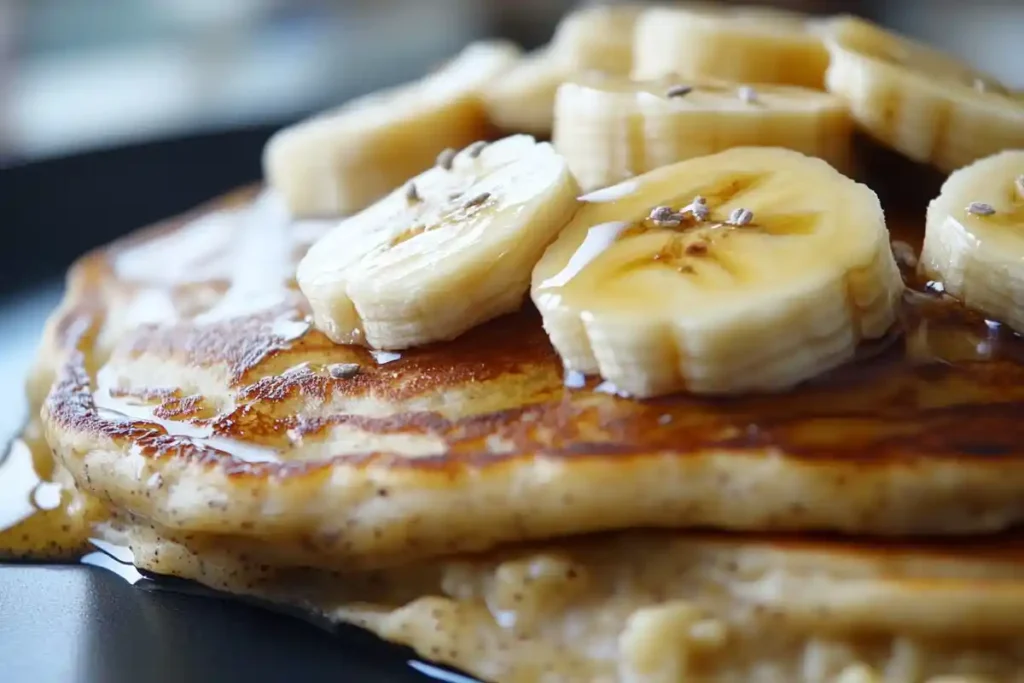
(659, 607)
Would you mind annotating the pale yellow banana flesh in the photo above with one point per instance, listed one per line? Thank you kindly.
(339, 162)
(598, 38)
(928, 106)
(523, 99)
(736, 44)
(450, 250)
(610, 128)
(974, 237)
(730, 304)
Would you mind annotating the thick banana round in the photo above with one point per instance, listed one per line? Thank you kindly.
(745, 44)
(921, 102)
(339, 162)
(611, 128)
(523, 99)
(450, 250)
(750, 270)
(599, 37)
(974, 239)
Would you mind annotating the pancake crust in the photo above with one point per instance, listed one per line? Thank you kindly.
(190, 389)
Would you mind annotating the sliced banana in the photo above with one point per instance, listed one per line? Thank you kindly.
(610, 128)
(755, 45)
(598, 37)
(974, 237)
(921, 102)
(523, 99)
(750, 270)
(339, 162)
(451, 249)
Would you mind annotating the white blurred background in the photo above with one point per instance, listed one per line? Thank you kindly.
(77, 75)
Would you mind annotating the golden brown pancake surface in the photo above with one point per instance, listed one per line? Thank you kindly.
(191, 390)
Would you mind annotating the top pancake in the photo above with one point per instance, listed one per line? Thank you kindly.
(189, 388)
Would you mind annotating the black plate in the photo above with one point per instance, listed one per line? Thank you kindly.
(87, 624)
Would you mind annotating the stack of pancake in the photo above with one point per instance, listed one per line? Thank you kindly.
(459, 498)
(464, 499)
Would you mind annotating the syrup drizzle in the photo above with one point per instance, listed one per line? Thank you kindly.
(116, 407)
(40, 519)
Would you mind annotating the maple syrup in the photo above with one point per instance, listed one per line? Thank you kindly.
(41, 519)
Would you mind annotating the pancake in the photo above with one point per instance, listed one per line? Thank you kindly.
(190, 390)
(665, 607)
(641, 606)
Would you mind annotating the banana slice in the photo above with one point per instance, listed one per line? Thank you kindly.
(339, 162)
(926, 105)
(523, 99)
(599, 37)
(974, 238)
(610, 128)
(754, 45)
(450, 250)
(750, 270)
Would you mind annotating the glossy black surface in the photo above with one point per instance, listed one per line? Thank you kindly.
(87, 625)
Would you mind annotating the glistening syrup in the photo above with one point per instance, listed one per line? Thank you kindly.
(41, 519)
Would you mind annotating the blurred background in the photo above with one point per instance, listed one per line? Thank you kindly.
(115, 113)
(85, 74)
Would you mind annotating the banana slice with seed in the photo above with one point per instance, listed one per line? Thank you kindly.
(750, 270)
(523, 99)
(974, 237)
(757, 45)
(450, 250)
(339, 162)
(926, 105)
(610, 128)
